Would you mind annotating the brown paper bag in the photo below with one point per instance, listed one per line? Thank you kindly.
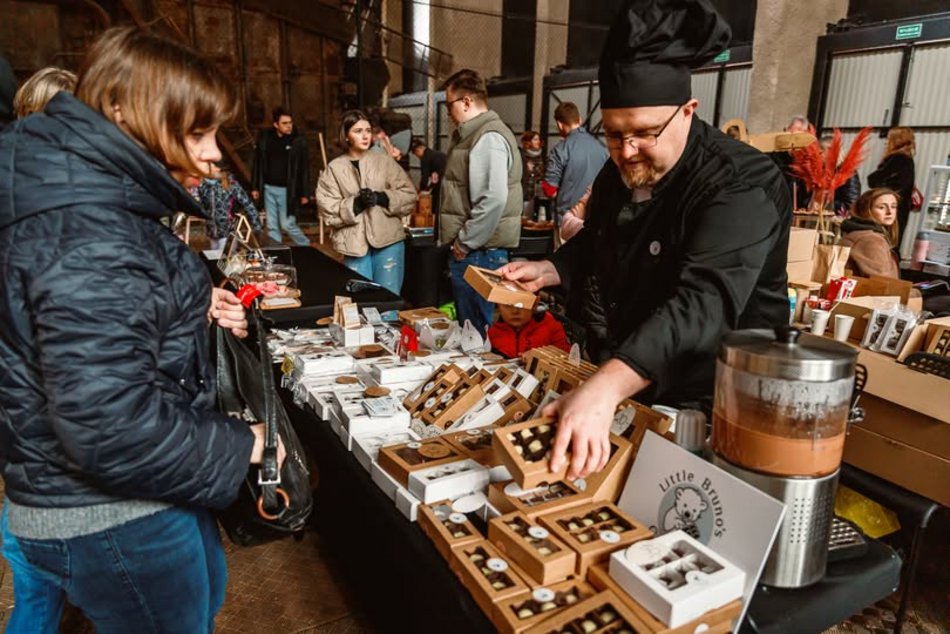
(828, 262)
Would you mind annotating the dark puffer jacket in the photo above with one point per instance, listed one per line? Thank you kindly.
(106, 390)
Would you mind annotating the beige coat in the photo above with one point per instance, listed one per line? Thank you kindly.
(378, 227)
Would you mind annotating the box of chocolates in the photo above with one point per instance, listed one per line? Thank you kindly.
(676, 578)
(517, 408)
(418, 315)
(632, 421)
(594, 531)
(513, 616)
(475, 444)
(602, 613)
(446, 527)
(498, 290)
(508, 497)
(718, 621)
(445, 409)
(444, 378)
(542, 556)
(482, 414)
(489, 576)
(366, 447)
(607, 483)
(376, 415)
(402, 459)
(525, 448)
(448, 480)
(323, 402)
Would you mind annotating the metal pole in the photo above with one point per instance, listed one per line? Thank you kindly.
(359, 53)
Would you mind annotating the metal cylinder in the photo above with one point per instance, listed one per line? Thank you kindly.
(800, 552)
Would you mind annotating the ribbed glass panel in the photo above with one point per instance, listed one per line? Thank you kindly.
(862, 89)
(927, 98)
(735, 95)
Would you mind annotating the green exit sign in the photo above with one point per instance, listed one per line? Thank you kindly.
(722, 58)
(909, 31)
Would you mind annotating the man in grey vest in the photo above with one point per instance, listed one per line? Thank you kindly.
(480, 212)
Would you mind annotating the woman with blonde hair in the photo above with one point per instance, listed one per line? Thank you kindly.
(896, 171)
(36, 91)
(112, 449)
(872, 232)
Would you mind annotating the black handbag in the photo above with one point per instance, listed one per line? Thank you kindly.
(272, 503)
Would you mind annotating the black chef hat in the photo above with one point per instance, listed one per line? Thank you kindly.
(651, 47)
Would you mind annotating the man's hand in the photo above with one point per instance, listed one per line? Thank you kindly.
(457, 251)
(257, 452)
(585, 415)
(532, 275)
(227, 309)
(304, 200)
(256, 195)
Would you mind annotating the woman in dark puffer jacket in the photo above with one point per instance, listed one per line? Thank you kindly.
(110, 445)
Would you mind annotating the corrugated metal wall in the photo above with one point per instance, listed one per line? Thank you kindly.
(927, 98)
(862, 88)
(703, 86)
(734, 101)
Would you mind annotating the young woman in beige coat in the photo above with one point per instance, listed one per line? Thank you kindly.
(363, 196)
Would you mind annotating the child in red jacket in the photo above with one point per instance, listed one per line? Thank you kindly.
(518, 330)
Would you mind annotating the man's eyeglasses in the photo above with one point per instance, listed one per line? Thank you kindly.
(615, 140)
(448, 103)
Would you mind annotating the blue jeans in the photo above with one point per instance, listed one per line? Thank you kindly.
(384, 266)
(275, 204)
(161, 573)
(37, 601)
(469, 304)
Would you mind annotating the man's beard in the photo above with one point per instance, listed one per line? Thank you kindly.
(638, 174)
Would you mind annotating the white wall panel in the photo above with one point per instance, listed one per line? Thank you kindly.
(703, 87)
(927, 98)
(862, 88)
(735, 94)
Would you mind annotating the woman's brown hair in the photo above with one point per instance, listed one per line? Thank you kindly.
(162, 90)
(900, 140)
(42, 86)
(864, 203)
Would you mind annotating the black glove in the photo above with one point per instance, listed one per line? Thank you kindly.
(382, 199)
(364, 200)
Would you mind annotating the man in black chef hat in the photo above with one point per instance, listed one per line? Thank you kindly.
(686, 236)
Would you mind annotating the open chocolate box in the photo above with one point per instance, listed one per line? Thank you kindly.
(402, 459)
(415, 315)
(498, 290)
(446, 528)
(632, 421)
(594, 531)
(525, 448)
(518, 614)
(717, 621)
(543, 557)
(451, 404)
(508, 497)
(489, 576)
(607, 483)
(516, 407)
(676, 578)
(602, 613)
(441, 380)
(475, 444)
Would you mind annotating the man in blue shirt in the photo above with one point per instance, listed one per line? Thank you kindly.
(572, 164)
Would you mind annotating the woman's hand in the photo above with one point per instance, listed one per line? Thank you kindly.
(257, 453)
(227, 309)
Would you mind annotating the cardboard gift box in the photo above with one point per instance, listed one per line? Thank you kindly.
(525, 448)
(407, 504)
(450, 480)
(602, 613)
(497, 290)
(541, 555)
(518, 614)
(676, 578)
(594, 531)
(718, 621)
(446, 527)
(444, 378)
(417, 315)
(508, 497)
(366, 447)
(475, 444)
(488, 575)
(634, 419)
(607, 483)
(402, 459)
(323, 402)
(451, 405)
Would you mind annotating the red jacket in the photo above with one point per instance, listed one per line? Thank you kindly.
(543, 331)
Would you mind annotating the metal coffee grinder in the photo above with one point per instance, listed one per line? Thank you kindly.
(780, 414)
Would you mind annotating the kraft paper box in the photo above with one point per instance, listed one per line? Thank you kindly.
(718, 621)
(602, 613)
(446, 527)
(508, 497)
(475, 444)
(676, 578)
(525, 449)
(542, 556)
(402, 459)
(514, 616)
(494, 289)
(606, 484)
(801, 246)
(487, 574)
(366, 447)
(594, 531)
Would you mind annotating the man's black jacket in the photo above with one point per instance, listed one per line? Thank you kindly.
(704, 256)
(299, 184)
